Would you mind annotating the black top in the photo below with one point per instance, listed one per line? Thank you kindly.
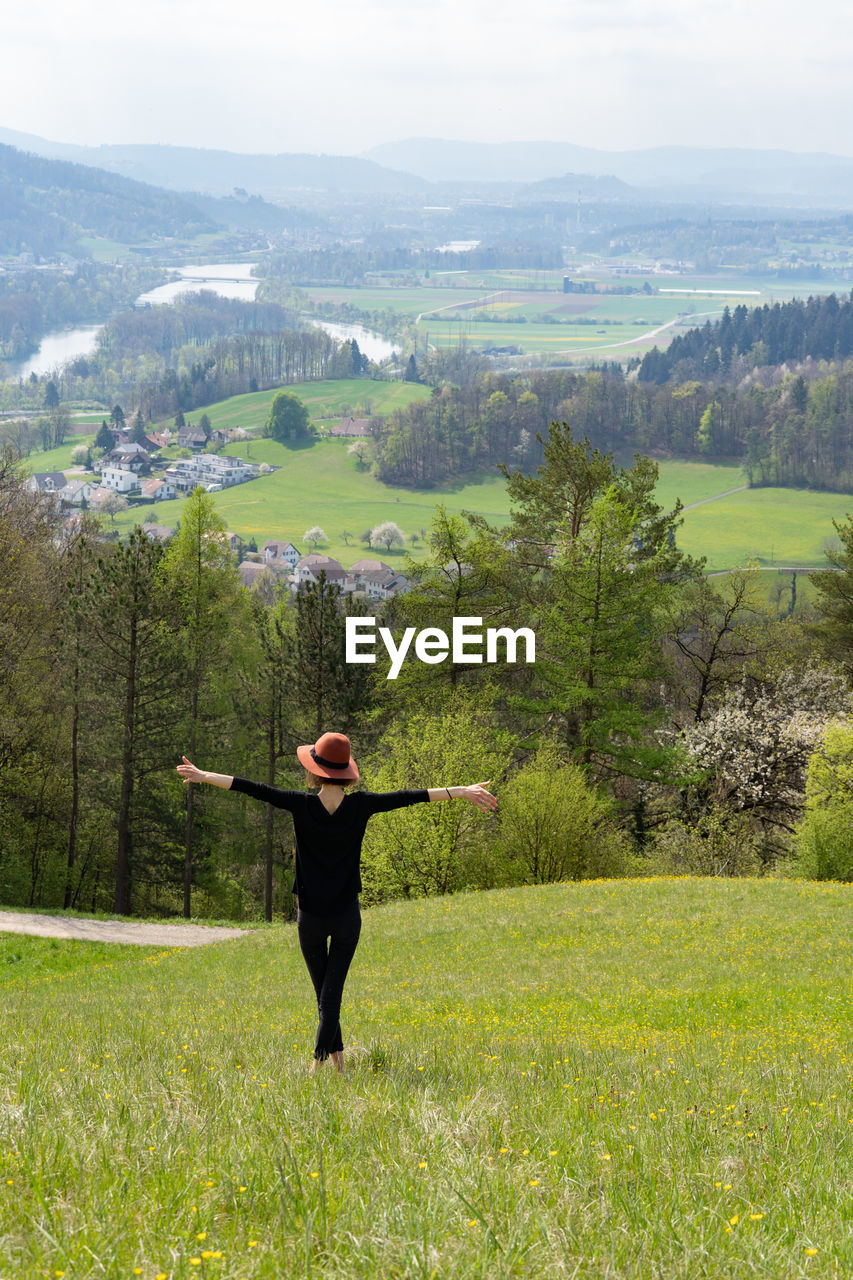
(328, 845)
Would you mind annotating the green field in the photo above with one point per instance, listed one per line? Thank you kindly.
(629, 1079)
(320, 484)
(538, 318)
(767, 527)
(360, 397)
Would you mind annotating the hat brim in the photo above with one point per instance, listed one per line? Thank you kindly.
(347, 774)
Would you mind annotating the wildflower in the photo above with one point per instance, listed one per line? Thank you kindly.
(733, 1219)
(202, 1235)
(755, 1216)
(811, 1252)
(422, 1164)
(534, 1182)
(315, 1175)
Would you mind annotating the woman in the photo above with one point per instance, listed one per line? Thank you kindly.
(330, 826)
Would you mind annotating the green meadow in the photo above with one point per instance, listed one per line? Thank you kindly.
(320, 484)
(627, 1079)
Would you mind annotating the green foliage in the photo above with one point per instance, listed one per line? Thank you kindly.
(721, 843)
(288, 420)
(553, 826)
(329, 693)
(834, 628)
(823, 841)
(445, 846)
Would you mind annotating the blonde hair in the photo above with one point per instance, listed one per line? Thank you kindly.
(315, 781)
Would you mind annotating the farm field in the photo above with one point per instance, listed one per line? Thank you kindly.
(457, 304)
(766, 526)
(330, 398)
(623, 1078)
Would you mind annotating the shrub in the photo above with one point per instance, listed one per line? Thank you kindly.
(554, 826)
(720, 843)
(435, 848)
(823, 842)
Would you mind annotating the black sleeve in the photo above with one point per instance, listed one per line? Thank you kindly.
(383, 801)
(263, 791)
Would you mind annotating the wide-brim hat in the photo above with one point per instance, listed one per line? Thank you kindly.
(330, 757)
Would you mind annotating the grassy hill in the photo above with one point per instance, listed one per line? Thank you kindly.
(625, 1078)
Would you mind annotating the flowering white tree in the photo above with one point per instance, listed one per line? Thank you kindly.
(110, 503)
(757, 742)
(388, 535)
(314, 535)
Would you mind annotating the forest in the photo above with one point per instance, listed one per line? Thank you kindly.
(819, 329)
(787, 425)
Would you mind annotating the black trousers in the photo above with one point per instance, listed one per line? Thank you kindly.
(328, 945)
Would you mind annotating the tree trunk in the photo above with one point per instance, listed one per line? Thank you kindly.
(123, 854)
(75, 790)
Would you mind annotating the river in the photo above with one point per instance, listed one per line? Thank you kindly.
(228, 279)
(370, 344)
(55, 350)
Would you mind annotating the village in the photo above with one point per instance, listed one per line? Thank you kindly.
(134, 472)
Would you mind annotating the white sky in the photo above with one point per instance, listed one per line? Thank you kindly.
(342, 75)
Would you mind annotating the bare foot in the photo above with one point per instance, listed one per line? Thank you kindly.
(315, 1063)
(338, 1059)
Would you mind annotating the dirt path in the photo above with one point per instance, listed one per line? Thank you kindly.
(727, 493)
(142, 935)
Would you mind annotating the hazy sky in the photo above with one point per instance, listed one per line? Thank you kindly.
(343, 75)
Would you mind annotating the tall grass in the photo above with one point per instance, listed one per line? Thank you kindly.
(621, 1079)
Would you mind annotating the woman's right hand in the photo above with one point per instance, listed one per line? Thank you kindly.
(478, 795)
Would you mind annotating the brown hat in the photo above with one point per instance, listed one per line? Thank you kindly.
(329, 758)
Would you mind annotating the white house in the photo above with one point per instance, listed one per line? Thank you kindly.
(118, 479)
(375, 579)
(158, 489)
(281, 551)
(76, 491)
(46, 482)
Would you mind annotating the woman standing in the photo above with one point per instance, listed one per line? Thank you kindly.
(329, 824)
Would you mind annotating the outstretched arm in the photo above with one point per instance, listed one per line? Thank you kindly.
(189, 773)
(476, 793)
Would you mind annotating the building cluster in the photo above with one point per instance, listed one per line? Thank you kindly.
(136, 470)
(132, 468)
(281, 563)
